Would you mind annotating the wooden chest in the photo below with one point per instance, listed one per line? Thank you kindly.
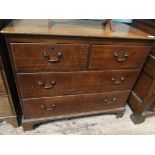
(142, 99)
(74, 68)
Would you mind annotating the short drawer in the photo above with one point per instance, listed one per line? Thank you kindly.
(118, 57)
(65, 105)
(2, 87)
(5, 108)
(42, 56)
(66, 83)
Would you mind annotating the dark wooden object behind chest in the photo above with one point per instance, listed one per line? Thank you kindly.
(75, 68)
(142, 99)
(9, 104)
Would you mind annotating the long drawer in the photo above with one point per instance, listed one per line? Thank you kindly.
(2, 87)
(45, 56)
(5, 108)
(66, 83)
(118, 56)
(65, 105)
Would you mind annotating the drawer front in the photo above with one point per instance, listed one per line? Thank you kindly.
(2, 87)
(40, 56)
(118, 57)
(65, 105)
(5, 108)
(66, 83)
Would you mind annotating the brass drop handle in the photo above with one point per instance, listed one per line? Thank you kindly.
(56, 58)
(118, 81)
(109, 101)
(121, 56)
(51, 108)
(42, 84)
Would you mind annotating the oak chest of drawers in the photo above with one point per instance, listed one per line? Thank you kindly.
(142, 99)
(74, 68)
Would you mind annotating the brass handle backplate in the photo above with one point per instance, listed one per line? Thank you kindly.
(42, 84)
(56, 56)
(50, 108)
(118, 81)
(121, 55)
(110, 101)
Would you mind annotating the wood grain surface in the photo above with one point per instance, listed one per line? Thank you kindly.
(73, 57)
(5, 107)
(75, 82)
(72, 104)
(118, 57)
(84, 28)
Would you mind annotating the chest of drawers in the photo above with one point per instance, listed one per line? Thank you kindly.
(74, 68)
(142, 99)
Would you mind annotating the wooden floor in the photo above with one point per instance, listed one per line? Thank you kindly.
(96, 125)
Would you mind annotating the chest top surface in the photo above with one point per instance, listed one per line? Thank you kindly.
(68, 27)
